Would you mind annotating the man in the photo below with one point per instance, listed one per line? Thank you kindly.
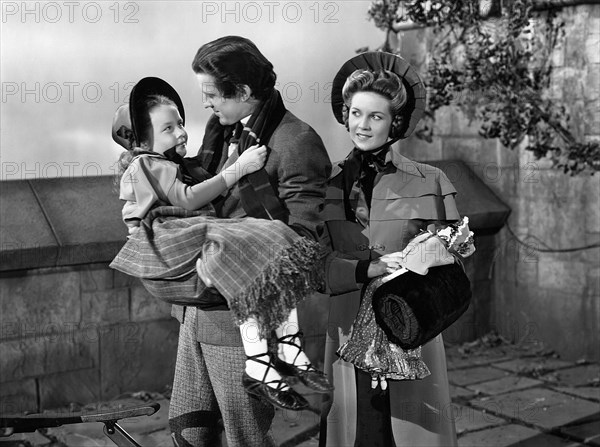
(237, 83)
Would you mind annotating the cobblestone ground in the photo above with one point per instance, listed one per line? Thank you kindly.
(503, 395)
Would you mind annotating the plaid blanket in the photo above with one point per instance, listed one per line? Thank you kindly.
(261, 267)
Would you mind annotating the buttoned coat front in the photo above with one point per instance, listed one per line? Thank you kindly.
(407, 196)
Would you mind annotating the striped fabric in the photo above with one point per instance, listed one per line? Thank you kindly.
(261, 267)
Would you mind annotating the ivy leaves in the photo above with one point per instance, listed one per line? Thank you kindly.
(497, 70)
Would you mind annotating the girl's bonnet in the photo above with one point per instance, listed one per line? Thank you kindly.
(127, 125)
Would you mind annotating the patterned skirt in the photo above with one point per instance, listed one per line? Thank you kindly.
(370, 350)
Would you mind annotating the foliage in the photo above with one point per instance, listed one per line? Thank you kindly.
(497, 70)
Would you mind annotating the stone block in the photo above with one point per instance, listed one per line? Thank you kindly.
(585, 392)
(588, 432)
(470, 376)
(504, 183)
(458, 360)
(553, 185)
(590, 118)
(443, 120)
(418, 149)
(463, 329)
(578, 376)
(18, 397)
(460, 393)
(592, 82)
(555, 211)
(507, 157)
(482, 296)
(144, 306)
(558, 56)
(105, 306)
(507, 435)
(288, 425)
(37, 302)
(138, 356)
(121, 279)
(594, 22)
(480, 154)
(533, 365)
(530, 166)
(47, 354)
(59, 390)
(554, 318)
(527, 266)
(538, 406)
(504, 385)
(26, 239)
(562, 275)
(98, 212)
(593, 285)
(468, 419)
(592, 44)
(95, 277)
(555, 89)
(592, 204)
(462, 124)
(575, 45)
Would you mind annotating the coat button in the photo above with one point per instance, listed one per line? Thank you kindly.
(363, 247)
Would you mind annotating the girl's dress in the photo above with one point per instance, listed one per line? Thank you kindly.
(261, 267)
(406, 198)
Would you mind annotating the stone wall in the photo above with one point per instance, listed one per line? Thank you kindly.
(553, 297)
(80, 334)
(73, 330)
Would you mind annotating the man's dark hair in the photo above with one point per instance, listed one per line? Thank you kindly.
(234, 61)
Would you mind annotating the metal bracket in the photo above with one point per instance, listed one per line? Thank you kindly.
(119, 436)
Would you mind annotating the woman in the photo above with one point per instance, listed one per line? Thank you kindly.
(376, 202)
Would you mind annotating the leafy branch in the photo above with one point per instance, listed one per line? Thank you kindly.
(495, 65)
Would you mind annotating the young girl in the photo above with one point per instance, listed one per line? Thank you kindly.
(261, 267)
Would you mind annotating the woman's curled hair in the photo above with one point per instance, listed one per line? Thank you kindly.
(383, 82)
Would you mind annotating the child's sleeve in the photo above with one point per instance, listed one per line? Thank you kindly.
(138, 190)
(197, 196)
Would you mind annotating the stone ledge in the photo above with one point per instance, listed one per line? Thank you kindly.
(486, 212)
(59, 222)
(73, 221)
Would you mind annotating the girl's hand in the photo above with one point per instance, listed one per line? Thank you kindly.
(252, 159)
